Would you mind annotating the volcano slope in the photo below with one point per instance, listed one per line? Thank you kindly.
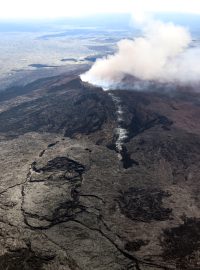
(69, 203)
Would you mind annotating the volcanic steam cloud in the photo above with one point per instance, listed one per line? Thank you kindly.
(163, 53)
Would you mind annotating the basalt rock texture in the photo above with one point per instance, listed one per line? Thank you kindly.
(67, 201)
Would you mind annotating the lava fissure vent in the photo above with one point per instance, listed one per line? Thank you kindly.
(120, 131)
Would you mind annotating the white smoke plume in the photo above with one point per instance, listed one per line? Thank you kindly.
(163, 53)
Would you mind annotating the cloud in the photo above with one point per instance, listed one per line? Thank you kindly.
(163, 53)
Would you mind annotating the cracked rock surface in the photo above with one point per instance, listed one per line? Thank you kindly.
(68, 203)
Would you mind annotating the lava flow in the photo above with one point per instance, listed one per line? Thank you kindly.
(121, 132)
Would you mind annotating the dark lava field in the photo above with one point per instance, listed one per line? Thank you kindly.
(69, 200)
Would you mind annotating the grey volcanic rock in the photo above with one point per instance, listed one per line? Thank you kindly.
(69, 203)
(53, 199)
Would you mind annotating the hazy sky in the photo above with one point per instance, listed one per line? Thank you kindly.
(64, 8)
